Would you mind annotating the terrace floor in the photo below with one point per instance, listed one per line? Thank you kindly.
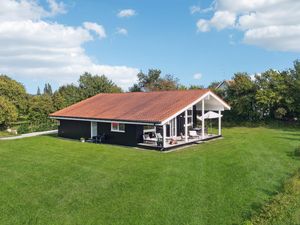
(180, 142)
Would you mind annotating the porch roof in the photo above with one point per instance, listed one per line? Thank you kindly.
(152, 107)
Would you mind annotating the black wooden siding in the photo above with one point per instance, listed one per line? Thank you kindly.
(74, 129)
(132, 135)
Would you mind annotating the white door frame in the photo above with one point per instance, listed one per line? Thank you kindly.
(94, 129)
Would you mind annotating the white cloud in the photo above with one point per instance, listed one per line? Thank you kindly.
(223, 19)
(195, 9)
(271, 24)
(122, 31)
(98, 29)
(28, 10)
(197, 76)
(203, 25)
(31, 48)
(126, 13)
(56, 7)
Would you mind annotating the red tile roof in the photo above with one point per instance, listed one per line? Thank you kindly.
(134, 106)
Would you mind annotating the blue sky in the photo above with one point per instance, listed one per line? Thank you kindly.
(161, 34)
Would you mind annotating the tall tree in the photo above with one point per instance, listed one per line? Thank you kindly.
(40, 107)
(48, 89)
(273, 96)
(153, 81)
(295, 89)
(241, 96)
(91, 85)
(195, 87)
(8, 112)
(135, 88)
(14, 92)
(38, 91)
(70, 94)
(58, 101)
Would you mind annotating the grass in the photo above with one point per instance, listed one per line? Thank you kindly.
(46, 180)
(284, 208)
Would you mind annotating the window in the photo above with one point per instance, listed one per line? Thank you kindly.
(118, 127)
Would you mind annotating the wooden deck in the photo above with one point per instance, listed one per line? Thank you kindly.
(179, 143)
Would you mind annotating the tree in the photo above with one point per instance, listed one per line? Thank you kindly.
(154, 82)
(38, 91)
(8, 112)
(39, 108)
(58, 101)
(196, 87)
(135, 88)
(213, 85)
(274, 95)
(91, 85)
(241, 96)
(295, 87)
(70, 94)
(14, 92)
(48, 89)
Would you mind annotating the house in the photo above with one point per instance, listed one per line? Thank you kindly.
(161, 119)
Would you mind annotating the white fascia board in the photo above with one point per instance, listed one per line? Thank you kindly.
(221, 101)
(101, 121)
(209, 93)
(187, 107)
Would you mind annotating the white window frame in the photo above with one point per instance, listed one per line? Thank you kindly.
(112, 129)
(190, 117)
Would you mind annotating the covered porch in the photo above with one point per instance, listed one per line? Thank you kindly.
(193, 124)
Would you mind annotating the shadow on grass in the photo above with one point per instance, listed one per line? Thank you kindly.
(288, 138)
(282, 125)
(51, 135)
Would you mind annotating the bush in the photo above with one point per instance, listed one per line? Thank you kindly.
(8, 112)
(297, 151)
(280, 113)
(24, 128)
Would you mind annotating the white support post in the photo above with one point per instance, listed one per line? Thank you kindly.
(186, 125)
(220, 129)
(164, 135)
(175, 126)
(203, 124)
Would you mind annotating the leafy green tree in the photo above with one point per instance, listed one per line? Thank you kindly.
(8, 112)
(91, 85)
(195, 87)
(135, 88)
(295, 87)
(40, 107)
(38, 91)
(48, 89)
(241, 96)
(14, 92)
(153, 81)
(274, 94)
(58, 101)
(213, 85)
(70, 94)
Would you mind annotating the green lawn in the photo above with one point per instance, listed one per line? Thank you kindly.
(47, 180)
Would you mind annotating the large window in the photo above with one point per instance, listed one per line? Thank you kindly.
(118, 127)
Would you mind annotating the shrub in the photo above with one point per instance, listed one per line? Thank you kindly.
(24, 128)
(280, 113)
(297, 151)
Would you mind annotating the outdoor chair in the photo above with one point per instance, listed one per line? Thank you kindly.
(148, 139)
(193, 134)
